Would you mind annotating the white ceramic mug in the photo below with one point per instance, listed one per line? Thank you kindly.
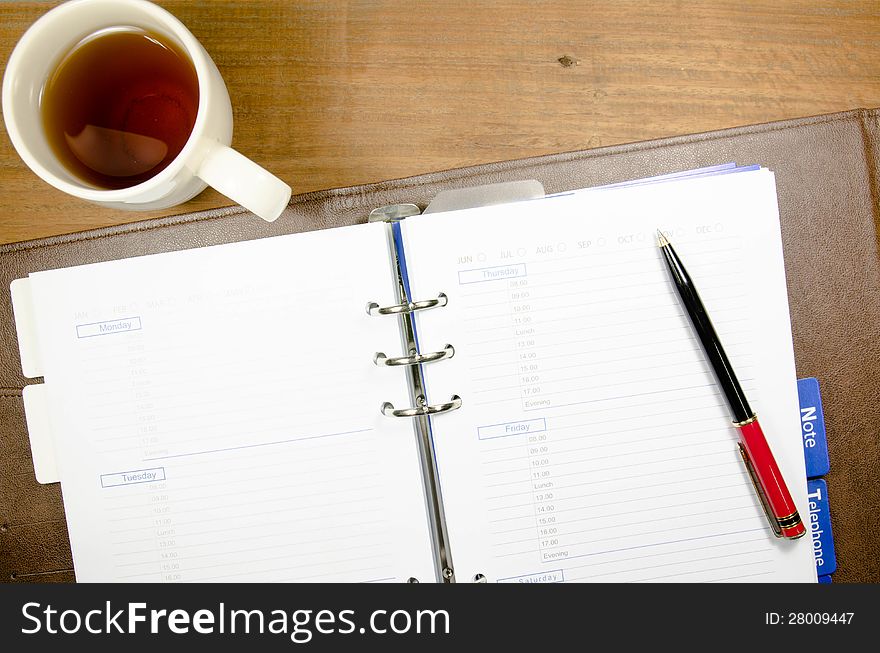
(206, 158)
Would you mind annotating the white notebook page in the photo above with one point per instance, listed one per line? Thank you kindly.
(593, 442)
(217, 414)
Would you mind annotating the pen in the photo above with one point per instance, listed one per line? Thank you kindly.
(756, 454)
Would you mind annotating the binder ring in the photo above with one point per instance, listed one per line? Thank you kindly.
(407, 307)
(416, 359)
(422, 408)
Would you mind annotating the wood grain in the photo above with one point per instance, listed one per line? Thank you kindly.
(332, 93)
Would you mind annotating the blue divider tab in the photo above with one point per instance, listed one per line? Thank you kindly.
(819, 527)
(813, 428)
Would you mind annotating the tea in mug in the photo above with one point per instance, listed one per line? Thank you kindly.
(120, 106)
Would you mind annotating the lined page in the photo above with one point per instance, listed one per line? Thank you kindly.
(593, 442)
(217, 414)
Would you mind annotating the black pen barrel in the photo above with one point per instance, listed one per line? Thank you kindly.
(736, 398)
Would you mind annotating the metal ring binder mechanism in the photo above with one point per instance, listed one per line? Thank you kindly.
(416, 359)
(405, 310)
(406, 307)
(422, 409)
(412, 362)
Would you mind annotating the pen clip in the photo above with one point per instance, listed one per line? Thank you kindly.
(774, 526)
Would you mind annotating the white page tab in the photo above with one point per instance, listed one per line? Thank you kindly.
(22, 307)
(36, 412)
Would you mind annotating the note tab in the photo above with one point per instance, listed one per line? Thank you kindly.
(813, 428)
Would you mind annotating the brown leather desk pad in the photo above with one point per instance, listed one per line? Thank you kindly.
(827, 181)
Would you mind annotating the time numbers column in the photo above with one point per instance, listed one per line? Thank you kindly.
(526, 307)
(526, 339)
(543, 491)
(135, 488)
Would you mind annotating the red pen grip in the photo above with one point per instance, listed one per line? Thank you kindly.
(766, 470)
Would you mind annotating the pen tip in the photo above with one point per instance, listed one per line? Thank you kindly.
(662, 240)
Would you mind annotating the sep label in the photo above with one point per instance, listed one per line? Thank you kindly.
(819, 527)
(813, 428)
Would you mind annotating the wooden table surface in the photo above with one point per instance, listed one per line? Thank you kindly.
(333, 93)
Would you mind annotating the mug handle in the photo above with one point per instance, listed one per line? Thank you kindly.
(244, 182)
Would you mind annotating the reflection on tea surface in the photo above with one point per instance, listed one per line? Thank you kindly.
(120, 107)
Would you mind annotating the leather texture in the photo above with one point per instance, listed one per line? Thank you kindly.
(827, 182)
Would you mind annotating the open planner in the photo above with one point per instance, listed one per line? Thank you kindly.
(509, 393)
